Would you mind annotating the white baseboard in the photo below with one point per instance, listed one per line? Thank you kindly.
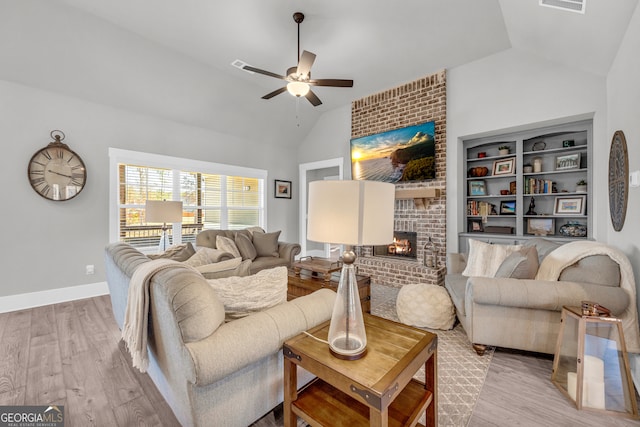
(52, 296)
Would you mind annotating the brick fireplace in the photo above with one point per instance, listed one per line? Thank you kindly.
(413, 103)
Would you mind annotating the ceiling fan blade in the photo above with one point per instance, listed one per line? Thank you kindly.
(332, 82)
(305, 63)
(313, 98)
(266, 73)
(274, 93)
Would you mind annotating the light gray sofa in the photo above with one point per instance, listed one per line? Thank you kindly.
(525, 313)
(212, 373)
(283, 255)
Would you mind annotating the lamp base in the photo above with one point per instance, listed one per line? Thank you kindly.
(348, 356)
(347, 336)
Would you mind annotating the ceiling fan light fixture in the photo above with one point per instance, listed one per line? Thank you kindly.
(298, 88)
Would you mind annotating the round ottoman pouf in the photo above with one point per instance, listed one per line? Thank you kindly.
(425, 306)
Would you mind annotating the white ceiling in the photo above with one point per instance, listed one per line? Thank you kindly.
(379, 44)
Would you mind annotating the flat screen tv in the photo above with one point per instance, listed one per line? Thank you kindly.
(400, 155)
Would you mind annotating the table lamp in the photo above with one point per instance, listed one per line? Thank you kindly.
(352, 213)
(163, 211)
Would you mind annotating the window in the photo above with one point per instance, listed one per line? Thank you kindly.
(214, 196)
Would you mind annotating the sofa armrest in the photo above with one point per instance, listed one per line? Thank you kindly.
(288, 251)
(456, 262)
(217, 255)
(541, 294)
(242, 342)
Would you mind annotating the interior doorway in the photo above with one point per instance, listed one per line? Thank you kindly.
(309, 172)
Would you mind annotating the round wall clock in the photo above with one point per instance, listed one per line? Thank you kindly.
(618, 180)
(56, 172)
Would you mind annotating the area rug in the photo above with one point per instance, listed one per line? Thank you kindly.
(461, 372)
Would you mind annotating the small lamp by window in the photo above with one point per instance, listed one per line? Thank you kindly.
(164, 211)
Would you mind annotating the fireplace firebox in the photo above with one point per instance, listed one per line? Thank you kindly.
(404, 245)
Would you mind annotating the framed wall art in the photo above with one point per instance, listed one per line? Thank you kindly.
(541, 226)
(508, 207)
(477, 187)
(282, 189)
(574, 205)
(504, 167)
(475, 226)
(568, 161)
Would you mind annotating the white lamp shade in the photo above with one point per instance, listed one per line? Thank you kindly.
(351, 212)
(163, 211)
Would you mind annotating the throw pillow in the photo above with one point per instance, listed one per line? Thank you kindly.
(229, 264)
(245, 246)
(227, 245)
(522, 264)
(484, 258)
(266, 244)
(177, 253)
(255, 229)
(242, 296)
(203, 256)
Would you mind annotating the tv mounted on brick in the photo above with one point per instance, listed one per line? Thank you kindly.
(400, 155)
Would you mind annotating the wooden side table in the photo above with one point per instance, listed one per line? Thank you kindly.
(376, 390)
(305, 282)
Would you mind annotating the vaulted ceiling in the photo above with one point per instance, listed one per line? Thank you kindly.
(172, 59)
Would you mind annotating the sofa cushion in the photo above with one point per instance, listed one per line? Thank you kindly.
(228, 245)
(260, 263)
(229, 264)
(522, 264)
(245, 246)
(485, 258)
(203, 256)
(543, 246)
(266, 244)
(456, 284)
(596, 269)
(177, 253)
(242, 296)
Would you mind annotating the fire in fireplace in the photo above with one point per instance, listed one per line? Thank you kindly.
(404, 245)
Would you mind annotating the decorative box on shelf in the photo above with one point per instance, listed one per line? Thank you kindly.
(317, 266)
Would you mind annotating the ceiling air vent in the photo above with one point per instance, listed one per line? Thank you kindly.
(239, 64)
(570, 5)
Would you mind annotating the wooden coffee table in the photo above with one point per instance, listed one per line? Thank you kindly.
(376, 390)
(306, 282)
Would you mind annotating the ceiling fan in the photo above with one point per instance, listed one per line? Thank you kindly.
(299, 77)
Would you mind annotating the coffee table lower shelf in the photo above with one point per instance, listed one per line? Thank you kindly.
(319, 403)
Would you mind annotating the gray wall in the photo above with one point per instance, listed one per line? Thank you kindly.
(49, 243)
(623, 99)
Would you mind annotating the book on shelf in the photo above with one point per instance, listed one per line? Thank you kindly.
(538, 186)
(476, 208)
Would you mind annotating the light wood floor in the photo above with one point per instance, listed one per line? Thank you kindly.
(70, 354)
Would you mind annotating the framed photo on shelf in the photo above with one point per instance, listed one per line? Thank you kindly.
(282, 189)
(508, 207)
(504, 167)
(541, 226)
(574, 205)
(475, 226)
(568, 161)
(477, 187)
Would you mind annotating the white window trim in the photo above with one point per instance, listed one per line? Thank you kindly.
(118, 156)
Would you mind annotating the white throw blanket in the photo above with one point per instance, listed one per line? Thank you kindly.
(572, 252)
(136, 316)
